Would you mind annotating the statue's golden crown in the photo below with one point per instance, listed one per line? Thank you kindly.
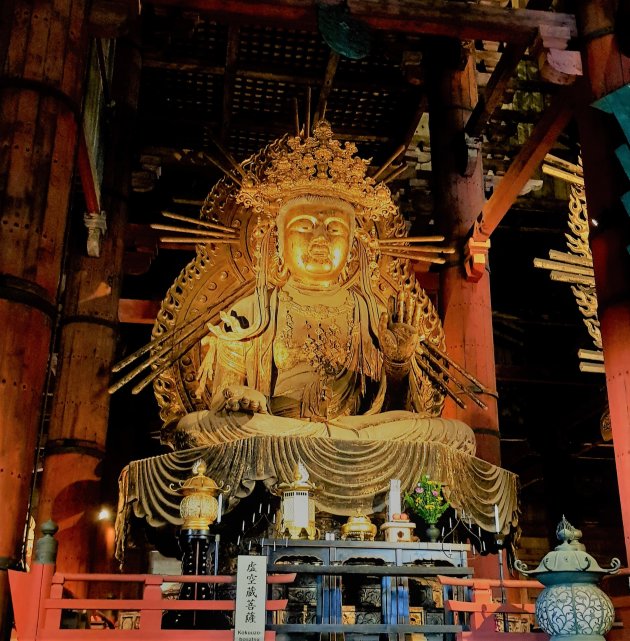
(317, 165)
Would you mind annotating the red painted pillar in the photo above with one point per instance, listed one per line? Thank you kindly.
(606, 70)
(465, 306)
(70, 492)
(43, 48)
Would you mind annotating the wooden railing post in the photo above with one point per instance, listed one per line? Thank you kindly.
(481, 593)
(50, 618)
(151, 620)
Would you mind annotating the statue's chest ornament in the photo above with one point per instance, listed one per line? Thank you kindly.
(315, 334)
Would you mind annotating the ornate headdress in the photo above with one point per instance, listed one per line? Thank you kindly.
(321, 166)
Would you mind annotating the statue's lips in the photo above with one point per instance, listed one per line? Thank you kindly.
(319, 252)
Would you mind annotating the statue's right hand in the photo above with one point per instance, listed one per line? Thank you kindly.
(239, 398)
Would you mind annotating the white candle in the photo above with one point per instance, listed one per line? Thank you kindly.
(268, 508)
(220, 508)
(253, 517)
(249, 547)
(238, 541)
(260, 509)
(496, 519)
(274, 545)
(243, 528)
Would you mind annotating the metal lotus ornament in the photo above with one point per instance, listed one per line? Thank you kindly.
(358, 528)
(572, 606)
(199, 507)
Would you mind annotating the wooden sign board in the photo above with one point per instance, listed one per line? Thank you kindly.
(251, 594)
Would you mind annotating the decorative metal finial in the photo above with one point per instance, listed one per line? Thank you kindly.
(46, 546)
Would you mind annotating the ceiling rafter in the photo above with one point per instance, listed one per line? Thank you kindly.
(326, 88)
(531, 154)
(229, 77)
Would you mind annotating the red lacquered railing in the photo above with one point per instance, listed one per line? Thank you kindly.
(38, 603)
(483, 608)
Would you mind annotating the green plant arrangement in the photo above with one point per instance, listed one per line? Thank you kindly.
(426, 500)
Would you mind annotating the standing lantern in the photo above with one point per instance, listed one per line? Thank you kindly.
(199, 507)
(572, 606)
(297, 520)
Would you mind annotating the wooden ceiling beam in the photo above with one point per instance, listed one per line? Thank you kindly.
(326, 88)
(187, 65)
(531, 154)
(466, 21)
(492, 97)
(252, 123)
(229, 77)
(183, 65)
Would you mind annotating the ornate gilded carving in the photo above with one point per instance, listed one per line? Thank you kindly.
(223, 272)
(576, 266)
(299, 332)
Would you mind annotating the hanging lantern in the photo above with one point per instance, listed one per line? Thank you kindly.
(297, 519)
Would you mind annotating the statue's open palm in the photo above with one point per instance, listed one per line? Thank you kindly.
(398, 333)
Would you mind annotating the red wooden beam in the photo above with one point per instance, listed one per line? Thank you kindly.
(138, 312)
(532, 153)
(86, 175)
(466, 21)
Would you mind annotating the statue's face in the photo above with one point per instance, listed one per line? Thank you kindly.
(316, 242)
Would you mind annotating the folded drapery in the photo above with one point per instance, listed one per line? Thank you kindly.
(351, 474)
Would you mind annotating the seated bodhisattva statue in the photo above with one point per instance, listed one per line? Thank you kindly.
(299, 333)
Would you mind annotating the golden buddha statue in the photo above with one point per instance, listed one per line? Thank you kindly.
(299, 333)
(322, 358)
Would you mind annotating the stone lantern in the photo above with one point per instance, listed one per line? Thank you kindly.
(572, 606)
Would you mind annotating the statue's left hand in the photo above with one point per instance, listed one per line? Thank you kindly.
(398, 338)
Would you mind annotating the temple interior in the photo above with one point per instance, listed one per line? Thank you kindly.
(499, 127)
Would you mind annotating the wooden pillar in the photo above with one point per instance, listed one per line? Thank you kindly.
(606, 70)
(42, 59)
(464, 306)
(70, 492)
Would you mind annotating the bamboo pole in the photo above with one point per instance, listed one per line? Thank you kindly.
(183, 230)
(229, 300)
(196, 240)
(202, 223)
(434, 376)
(411, 239)
(399, 150)
(423, 259)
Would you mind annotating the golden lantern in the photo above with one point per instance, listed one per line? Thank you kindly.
(199, 507)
